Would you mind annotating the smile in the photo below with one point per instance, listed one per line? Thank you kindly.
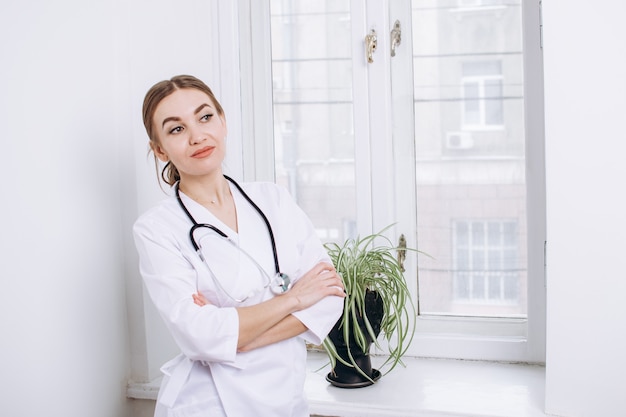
(203, 153)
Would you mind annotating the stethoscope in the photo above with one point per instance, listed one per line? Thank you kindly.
(279, 284)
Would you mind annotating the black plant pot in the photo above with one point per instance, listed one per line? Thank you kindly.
(344, 376)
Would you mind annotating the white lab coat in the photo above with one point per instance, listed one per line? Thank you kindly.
(210, 378)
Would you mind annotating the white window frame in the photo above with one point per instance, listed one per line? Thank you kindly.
(438, 336)
(509, 339)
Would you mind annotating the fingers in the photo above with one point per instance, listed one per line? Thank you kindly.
(329, 279)
(325, 266)
(319, 282)
(333, 279)
(199, 299)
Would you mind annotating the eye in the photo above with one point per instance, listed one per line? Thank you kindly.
(175, 130)
(206, 117)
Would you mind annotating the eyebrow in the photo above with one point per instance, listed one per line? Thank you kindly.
(175, 119)
(199, 109)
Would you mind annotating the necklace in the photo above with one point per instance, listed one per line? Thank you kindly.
(200, 200)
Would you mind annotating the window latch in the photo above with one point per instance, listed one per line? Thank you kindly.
(370, 45)
(401, 251)
(396, 37)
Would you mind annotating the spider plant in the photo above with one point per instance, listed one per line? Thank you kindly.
(369, 264)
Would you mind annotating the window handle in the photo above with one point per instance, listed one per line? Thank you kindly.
(401, 251)
(370, 45)
(396, 37)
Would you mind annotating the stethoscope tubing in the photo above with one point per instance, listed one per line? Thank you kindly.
(217, 281)
(282, 282)
(267, 222)
(197, 225)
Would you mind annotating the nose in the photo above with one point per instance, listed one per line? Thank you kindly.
(196, 134)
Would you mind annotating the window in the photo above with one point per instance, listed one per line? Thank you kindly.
(433, 138)
(313, 111)
(477, 178)
(486, 274)
(482, 94)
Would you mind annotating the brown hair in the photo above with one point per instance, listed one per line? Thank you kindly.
(154, 96)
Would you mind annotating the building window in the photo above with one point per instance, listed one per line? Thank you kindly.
(485, 262)
(482, 94)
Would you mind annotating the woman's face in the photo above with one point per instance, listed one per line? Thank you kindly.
(191, 133)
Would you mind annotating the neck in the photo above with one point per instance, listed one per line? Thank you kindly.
(212, 190)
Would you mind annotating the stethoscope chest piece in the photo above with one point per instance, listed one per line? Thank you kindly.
(281, 283)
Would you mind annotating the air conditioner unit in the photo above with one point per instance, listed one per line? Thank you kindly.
(459, 140)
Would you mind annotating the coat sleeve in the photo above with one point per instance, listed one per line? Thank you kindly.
(205, 333)
(320, 317)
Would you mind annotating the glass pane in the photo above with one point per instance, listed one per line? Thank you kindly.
(461, 288)
(312, 87)
(478, 287)
(471, 103)
(470, 160)
(494, 287)
(493, 102)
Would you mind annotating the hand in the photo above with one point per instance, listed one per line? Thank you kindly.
(199, 299)
(320, 282)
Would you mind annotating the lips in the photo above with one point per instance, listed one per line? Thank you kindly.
(203, 153)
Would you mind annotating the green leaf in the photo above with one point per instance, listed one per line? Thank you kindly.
(370, 263)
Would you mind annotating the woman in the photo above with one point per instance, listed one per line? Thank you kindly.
(209, 257)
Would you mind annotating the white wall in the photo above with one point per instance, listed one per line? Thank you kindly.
(64, 335)
(166, 37)
(75, 176)
(585, 92)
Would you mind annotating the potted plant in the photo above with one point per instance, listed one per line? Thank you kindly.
(377, 303)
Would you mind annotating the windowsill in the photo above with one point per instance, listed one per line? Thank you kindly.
(424, 388)
(432, 387)
(144, 390)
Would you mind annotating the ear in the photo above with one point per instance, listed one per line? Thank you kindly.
(158, 151)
